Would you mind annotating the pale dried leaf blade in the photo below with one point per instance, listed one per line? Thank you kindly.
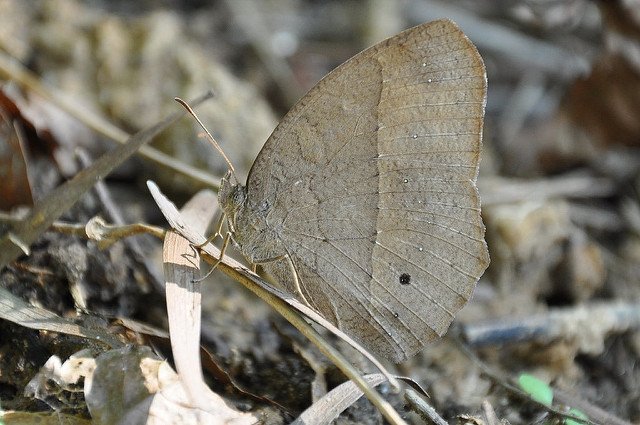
(183, 294)
(329, 407)
(200, 210)
(173, 216)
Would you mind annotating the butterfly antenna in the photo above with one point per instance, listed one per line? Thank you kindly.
(209, 136)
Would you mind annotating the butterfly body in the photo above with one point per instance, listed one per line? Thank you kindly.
(250, 230)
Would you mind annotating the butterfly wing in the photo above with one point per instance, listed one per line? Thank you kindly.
(370, 184)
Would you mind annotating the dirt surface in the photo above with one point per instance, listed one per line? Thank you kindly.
(559, 181)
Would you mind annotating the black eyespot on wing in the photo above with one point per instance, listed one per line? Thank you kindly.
(405, 279)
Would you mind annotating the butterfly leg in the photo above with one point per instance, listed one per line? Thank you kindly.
(217, 232)
(296, 281)
(278, 273)
(223, 249)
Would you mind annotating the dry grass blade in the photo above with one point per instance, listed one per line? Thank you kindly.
(328, 407)
(43, 418)
(63, 197)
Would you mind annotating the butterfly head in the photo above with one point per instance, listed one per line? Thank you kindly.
(232, 197)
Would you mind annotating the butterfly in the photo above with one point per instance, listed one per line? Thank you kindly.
(363, 201)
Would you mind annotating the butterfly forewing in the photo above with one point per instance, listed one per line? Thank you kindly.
(368, 183)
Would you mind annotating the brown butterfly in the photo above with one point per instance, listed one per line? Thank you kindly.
(363, 202)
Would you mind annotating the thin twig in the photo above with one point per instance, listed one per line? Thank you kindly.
(112, 232)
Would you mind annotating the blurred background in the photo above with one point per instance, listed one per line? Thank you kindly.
(559, 177)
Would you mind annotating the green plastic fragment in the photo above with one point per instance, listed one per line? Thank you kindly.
(537, 389)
